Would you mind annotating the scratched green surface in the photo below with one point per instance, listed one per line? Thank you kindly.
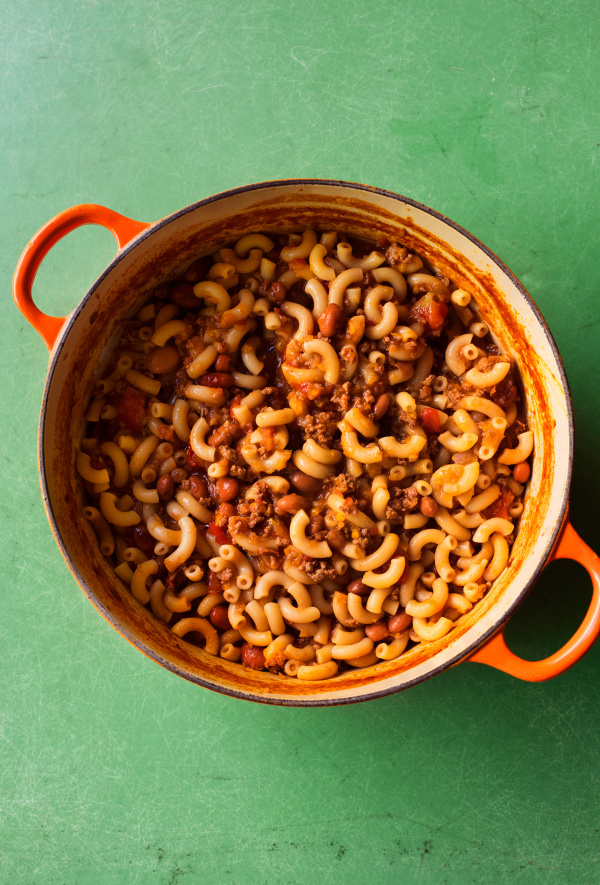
(114, 771)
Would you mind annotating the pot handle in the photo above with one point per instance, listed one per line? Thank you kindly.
(122, 228)
(496, 653)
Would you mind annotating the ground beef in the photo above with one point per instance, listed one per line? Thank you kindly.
(415, 347)
(277, 530)
(271, 560)
(341, 397)
(232, 456)
(267, 528)
(343, 484)
(262, 490)
(255, 520)
(402, 501)
(275, 397)
(368, 281)
(397, 254)
(394, 512)
(426, 390)
(321, 427)
(318, 569)
(455, 392)
(399, 416)
(366, 399)
(181, 381)
(255, 510)
(485, 363)
(349, 506)
(237, 525)
(363, 540)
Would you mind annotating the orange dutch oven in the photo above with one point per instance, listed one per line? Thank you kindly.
(148, 254)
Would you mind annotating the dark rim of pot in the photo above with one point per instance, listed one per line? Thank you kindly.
(361, 695)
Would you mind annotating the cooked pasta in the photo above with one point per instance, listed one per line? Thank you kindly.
(307, 454)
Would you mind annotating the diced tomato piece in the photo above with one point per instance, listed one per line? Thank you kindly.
(132, 409)
(218, 534)
(193, 460)
(214, 583)
(500, 505)
(430, 420)
(430, 310)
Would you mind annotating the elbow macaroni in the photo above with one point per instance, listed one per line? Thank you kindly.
(329, 467)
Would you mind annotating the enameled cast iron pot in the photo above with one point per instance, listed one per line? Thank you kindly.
(150, 253)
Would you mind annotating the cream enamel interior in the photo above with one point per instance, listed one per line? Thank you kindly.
(159, 254)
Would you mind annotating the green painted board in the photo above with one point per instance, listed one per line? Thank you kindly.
(114, 771)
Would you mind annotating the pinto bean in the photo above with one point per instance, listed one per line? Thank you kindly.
(358, 587)
(291, 504)
(219, 617)
(399, 623)
(277, 293)
(161, 360)
(227, 488)
(216, 379)
(222, 363)
(143, 539)
(331, 320)
(253, 657)
(165, 487)
(377, 631)
(381, 406)
(336, 538)
(198, 486)
(521, 472)
(428, 506)
(307, 485)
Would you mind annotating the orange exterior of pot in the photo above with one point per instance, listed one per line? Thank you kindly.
(149, 254)
(123, 229)
(496, 653)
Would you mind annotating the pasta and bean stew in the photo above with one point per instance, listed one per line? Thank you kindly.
(307, 454)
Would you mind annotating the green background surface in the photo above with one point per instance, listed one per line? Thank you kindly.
(113, 770)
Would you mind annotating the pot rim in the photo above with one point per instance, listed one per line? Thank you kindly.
(362, 694)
